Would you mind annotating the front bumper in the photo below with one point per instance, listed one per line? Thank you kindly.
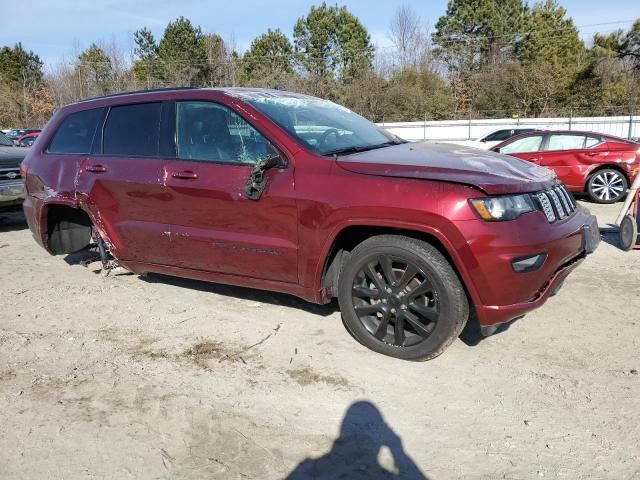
(503, 295)
(11, 192)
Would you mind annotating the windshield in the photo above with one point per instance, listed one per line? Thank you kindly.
(323, 126)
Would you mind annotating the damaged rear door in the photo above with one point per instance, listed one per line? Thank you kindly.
(214, 226)
(122, 183)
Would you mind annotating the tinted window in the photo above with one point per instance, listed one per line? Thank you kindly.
(75, 134)
(209, 131)
(133, 130)
(502, 135)
(566, 142)
(526, 144)
(27, 142)
(498, 136)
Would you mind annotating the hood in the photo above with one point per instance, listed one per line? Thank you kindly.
(11, 157)
(493, 173)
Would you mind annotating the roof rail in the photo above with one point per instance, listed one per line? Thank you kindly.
(137, 91)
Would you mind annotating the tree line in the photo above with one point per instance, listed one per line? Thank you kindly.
(486, 58)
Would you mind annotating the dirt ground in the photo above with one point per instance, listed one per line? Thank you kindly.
(129, 377)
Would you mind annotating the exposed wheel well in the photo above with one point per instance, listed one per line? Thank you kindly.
(347, 240)
(599, 168)
(68, 229)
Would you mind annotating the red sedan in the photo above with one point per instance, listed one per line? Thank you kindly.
(27, 140)
(603, 166)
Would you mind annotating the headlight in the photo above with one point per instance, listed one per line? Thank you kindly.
(502, 208)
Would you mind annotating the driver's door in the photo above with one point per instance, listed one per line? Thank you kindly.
(213, 226)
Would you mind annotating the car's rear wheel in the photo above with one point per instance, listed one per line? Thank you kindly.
(400, 297)
(607, 186)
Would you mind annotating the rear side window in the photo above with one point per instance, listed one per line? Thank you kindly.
(76, 132)
(133, 130)
(566, 142)
(498, 136)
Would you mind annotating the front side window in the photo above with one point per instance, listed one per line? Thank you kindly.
(322, 126)
(76, 132)
(568, 142)
(133, 130)
(212, 132)
(521, 145)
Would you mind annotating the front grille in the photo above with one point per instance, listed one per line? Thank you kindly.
(9, 174)
(556, 203)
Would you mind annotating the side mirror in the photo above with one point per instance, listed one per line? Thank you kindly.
(271, 161)
(256, 182)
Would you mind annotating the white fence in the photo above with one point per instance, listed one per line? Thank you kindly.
(621, 126)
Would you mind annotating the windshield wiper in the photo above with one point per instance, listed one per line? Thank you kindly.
(358, 149)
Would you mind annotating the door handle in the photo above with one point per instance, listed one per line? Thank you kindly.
(185, 175)
(592, 154)
(533, 159)
(96, 168)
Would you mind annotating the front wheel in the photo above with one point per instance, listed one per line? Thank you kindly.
(607, 186)
(400, 297)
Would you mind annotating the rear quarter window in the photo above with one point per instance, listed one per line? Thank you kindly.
(75, 133)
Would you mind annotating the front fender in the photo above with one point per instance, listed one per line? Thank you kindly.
(443, 232)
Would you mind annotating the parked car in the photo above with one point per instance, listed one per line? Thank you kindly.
(11, 184)
(15, 134)
(492, 139)
(27, 140)
(603, 166)
(290, 193)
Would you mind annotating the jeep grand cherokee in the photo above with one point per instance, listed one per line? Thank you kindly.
(290, 193)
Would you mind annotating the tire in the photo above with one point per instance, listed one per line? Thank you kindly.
(607, 186)
(628, 233)
(426, 298)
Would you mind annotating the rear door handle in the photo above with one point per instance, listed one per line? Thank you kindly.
(533, 159)
(185, 175)
(592, 154)
(96, 168)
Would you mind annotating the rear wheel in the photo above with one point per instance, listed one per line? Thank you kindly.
(400, 297)
(607, 186)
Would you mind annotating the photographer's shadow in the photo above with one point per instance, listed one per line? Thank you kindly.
(355, 453)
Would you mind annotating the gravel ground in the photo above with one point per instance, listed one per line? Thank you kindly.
(157, 377)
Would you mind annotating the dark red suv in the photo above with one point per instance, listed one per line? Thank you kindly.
(290, 193)
(603, 166)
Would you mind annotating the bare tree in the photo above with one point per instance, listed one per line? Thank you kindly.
(410, 38)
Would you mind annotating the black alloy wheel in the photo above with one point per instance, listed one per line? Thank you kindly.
(395, 301)
(399, 296)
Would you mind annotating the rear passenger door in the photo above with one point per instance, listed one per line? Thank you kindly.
(122, 181)
(571, 155)
(214, 227)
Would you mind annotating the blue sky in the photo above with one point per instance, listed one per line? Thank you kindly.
(55, 29)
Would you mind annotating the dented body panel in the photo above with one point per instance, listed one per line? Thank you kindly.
(190, 218)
